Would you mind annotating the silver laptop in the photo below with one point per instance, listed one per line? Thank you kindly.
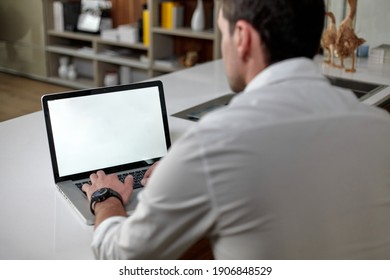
(121, 129)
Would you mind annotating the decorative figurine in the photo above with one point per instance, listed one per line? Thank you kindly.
(347, 42)
(72, 73)
(198, 20)
(63, 67)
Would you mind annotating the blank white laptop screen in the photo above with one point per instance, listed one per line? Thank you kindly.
(104, 130)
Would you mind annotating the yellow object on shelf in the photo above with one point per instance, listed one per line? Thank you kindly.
(146, 27)
(168, 14)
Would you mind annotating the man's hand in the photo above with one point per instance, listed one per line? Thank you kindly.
(100, 180)
(148, 173)
(111, 206)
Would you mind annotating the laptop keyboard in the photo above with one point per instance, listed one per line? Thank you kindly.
(137, 175)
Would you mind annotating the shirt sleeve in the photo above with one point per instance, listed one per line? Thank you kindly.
(106, 229)
(174, 210)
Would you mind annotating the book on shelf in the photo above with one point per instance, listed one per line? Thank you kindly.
(65, 15)
(380, 54)
(171, 14)
(58, 16)
(177, 16)
(72, 11)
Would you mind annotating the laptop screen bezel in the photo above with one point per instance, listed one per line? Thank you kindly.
(94, 91)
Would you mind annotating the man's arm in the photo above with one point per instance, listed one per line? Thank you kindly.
(108, 208)
(177, 194)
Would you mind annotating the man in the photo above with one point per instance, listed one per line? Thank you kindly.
(293, 168)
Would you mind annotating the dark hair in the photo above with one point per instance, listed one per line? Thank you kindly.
(288, 28)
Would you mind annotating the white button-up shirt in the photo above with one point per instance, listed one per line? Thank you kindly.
(292, 168)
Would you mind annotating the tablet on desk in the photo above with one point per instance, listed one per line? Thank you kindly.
(197, 112)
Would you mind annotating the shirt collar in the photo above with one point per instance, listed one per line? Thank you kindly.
(286, 70)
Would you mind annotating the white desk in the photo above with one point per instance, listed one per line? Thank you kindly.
(36, 221)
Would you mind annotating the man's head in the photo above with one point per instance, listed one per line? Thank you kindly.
(256, 34)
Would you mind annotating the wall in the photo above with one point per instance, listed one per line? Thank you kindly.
(337, 7)
(126, 11)
(373, 21)
(22, 37)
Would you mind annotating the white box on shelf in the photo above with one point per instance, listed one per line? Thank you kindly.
(128, 33)
(109, 34)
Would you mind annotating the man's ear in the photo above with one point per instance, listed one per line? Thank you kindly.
(243, 38)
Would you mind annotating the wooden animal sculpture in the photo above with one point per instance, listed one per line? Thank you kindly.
(347, 42)
(329, 37)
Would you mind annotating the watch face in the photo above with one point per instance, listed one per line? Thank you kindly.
(99, 193)
(102, 191)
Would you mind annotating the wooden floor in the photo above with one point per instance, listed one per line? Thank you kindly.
(20, 96)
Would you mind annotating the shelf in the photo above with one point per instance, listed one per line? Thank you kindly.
(138, 46)
(71, 51)
(185, 32)
(95, 56)
(94, 38)
(121, 60)
(73, 35)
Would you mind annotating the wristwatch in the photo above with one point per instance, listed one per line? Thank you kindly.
(101, 195)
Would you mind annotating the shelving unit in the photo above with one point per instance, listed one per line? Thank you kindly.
(95, 57)
(178, 41)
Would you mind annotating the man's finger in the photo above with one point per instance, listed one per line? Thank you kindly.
(85, 187)
(129, 180)
(93, 177)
